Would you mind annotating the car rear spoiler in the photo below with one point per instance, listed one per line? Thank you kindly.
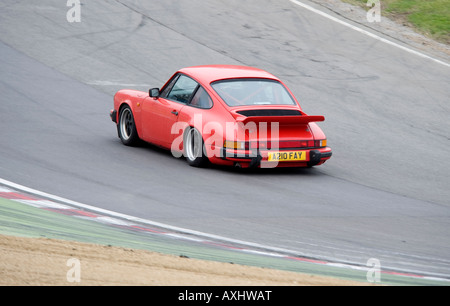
(281, 119)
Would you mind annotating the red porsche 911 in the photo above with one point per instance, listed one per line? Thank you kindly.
(225, 115)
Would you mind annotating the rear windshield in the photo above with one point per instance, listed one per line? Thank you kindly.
(237, 92)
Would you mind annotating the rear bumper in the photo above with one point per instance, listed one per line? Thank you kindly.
(313, 157)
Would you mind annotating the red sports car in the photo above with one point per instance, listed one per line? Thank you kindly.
(226, 115)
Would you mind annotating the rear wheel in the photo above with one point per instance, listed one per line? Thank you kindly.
(127, 128)
(194, 148)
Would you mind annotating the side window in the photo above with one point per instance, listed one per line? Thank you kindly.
(169, 86)
(201, 99)
(183, 89)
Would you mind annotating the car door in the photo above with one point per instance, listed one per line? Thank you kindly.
(160, 114)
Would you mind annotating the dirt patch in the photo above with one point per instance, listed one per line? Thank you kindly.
(46, 262)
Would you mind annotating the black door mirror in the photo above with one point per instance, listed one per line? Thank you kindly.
(154, 92)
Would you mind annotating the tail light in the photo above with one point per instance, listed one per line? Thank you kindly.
(320, 143)
(236, 145)
(292, 144)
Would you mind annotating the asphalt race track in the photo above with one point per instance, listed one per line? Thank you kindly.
(384, 194)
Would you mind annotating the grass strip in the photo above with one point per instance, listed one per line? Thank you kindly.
(431, 17)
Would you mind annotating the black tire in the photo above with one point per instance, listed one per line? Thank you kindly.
(127, 128)
(194, 149)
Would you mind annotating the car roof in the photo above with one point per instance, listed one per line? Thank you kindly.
(209, 73)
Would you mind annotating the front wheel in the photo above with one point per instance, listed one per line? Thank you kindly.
(127, 128)
(194, 148)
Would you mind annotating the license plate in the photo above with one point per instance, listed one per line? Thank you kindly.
(287, 156)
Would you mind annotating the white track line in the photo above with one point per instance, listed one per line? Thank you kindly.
(379, 38)
(112, 83)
